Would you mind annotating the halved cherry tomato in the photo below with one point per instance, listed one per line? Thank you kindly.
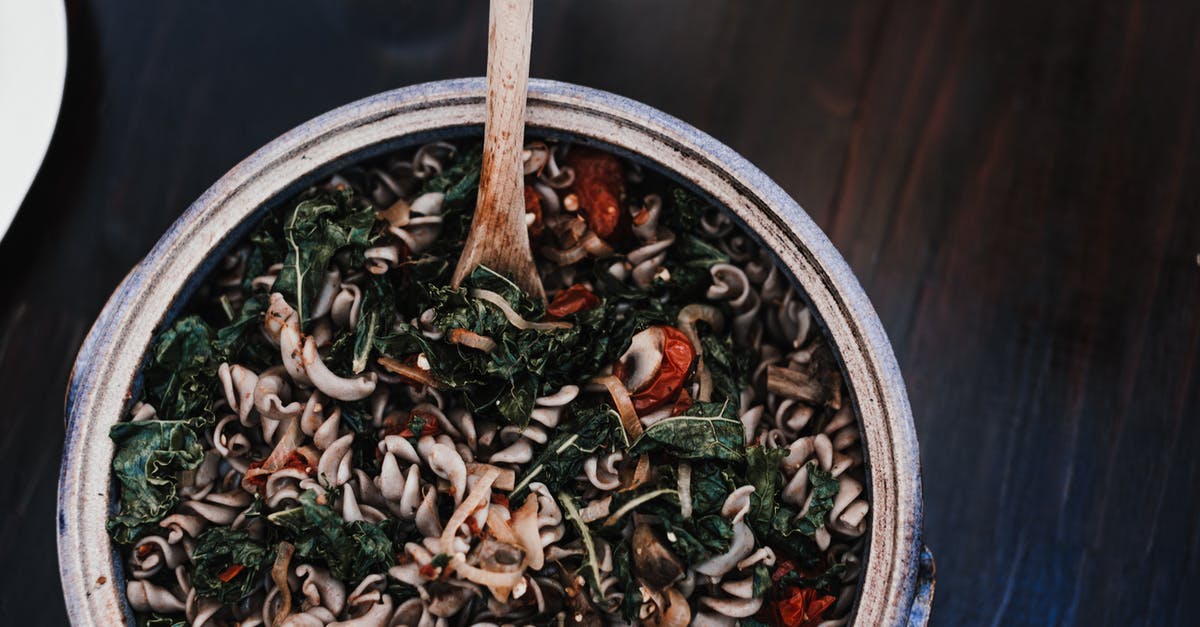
(801, 607)
(533, 205)
(682, 403)
(571, 300)
(228, 574)
(676, 366)
(599, 185)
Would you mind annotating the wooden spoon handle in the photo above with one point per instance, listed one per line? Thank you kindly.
(499, 237)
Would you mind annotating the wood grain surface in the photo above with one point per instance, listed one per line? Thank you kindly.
(1016, 183)
(499, 234)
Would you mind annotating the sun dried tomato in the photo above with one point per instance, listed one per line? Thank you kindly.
(801, 607)
(599, 185)
(500, 499)
(533, 205)
(228, 574)
(571, 300)
(677, 359)
(786, 566)
(429, 424)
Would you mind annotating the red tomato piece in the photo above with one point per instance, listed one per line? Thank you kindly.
(599, 185)
(533, 205)
(802, 607)
(572, 300)
(228, 574)
(678, 356)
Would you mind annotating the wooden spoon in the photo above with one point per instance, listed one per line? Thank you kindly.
(499, 237)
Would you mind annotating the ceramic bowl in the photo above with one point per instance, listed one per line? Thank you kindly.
(897, 581)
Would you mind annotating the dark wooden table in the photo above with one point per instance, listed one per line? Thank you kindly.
(1016, 183)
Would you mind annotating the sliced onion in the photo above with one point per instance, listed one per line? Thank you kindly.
(685, 490)
(641, 474)
(515, 318)
(620, 396)
(633, 504)
(412, 373)
(479, 492)
(471, 339)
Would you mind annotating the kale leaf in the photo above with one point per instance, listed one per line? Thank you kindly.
(589, 431)
(824, 489)
(352, 550)
(218, 553)
(315, 230)
(181, 376)
(149, 456)
(702, 432)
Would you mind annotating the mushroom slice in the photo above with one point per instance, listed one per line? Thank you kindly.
(652, 561)
(645, 351)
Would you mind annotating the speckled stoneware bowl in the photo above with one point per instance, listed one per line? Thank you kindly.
(897, 582)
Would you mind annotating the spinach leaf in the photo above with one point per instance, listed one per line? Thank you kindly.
(762, 580)
(351, 550)
(777, 524)
(711, 483)
(560, 461)
(315, 230)
(156, 620)
(150, 454)
(218, 553)
(698, 434)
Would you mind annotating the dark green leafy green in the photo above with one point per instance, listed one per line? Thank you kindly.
(315, 230)
(824, 488)
(217, 551)
(729, 366)
(351, 550)
(181, 375)
(589, 431)
(590, 569)
(700, 433)
(762, 472)
(631, 601)
(150, 454)
(525, 363)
